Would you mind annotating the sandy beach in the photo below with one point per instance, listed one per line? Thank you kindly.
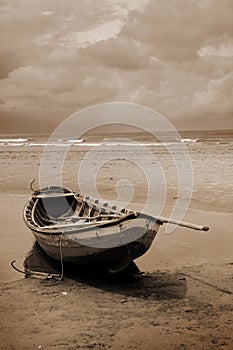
(183, 300)
(136, 99)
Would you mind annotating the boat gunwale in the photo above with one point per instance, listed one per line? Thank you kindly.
(74, 228)
(55, 230)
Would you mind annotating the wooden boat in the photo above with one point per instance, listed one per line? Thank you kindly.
(72, 228)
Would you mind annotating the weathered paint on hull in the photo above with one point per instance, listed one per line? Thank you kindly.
(71, 251)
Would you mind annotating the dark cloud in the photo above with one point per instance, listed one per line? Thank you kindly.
(120, 52)
(58, 56)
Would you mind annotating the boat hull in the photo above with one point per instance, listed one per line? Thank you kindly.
(116, 259)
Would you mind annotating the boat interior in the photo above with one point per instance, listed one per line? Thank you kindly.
(69, 208)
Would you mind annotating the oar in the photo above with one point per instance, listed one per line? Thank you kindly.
(184, 224)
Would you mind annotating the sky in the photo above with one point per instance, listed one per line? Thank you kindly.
(60, 56)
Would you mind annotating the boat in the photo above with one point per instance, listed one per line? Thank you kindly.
(74, 228)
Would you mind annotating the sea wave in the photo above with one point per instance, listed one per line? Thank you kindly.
(85, 143)
(15, 140)
(189, 140)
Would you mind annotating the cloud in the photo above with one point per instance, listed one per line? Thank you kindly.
(57, 88)
(177, 29)
(174, 56)
(119, 53)
(210, 99)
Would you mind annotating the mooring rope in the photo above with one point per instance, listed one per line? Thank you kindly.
(26, 273)
(223, 290)
(61, 257)
(62, 264)
(30, 255)
(30, 273)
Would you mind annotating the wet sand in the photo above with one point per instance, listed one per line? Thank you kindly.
(184, 299)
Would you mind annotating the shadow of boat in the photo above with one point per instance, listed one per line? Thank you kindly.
(130, 282)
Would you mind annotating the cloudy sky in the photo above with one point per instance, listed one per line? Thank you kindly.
(59, 56)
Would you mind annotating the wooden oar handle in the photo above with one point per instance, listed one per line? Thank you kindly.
(184, 224)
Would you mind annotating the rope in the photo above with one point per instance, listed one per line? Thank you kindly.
(223, 290)
(61, 257)
(30, 273)
(62, 264)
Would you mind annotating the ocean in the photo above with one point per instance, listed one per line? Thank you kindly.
(138, 138)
